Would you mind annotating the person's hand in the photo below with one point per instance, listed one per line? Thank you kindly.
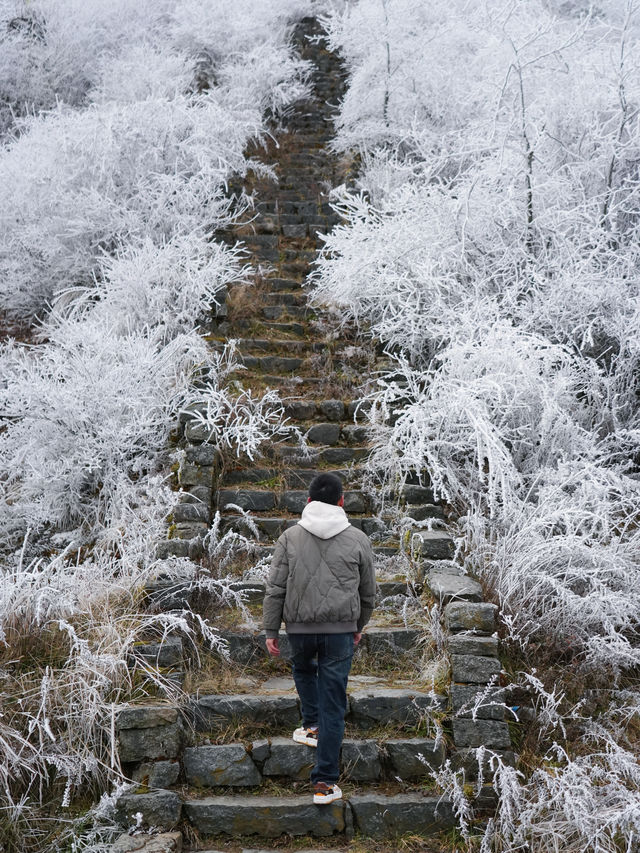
(273, 647)
(357, 637)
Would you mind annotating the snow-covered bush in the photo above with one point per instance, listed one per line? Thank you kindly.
(491, 243)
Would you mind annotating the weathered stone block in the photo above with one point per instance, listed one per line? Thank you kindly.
(294, 500)
(448, 588)
(163, 741)
(324, 433)
(379, 816)
(413, 758)
(355, 434)
(473, 644)
(172, 548)
(164, 774)
(265, 816)
(354, 502)
(337, 455)
(414, 494)
(167, 842)
(380, 705)
(260, 751)
(467, 760)
(464, 696)
(474, 668)
(228, 764)
(250, 499)
(360, 760)
(433, 544)
(385, 641)
(211, 712)
(463, 616)
(333, 410)
(289, 759)
(168, 653)
(301, 410)
(160, 809)
(191, 512)
(196, 475)
(474, 733)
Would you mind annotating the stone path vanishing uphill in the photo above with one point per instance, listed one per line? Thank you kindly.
(226, 765)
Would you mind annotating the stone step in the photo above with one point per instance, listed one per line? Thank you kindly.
(270, 527)
(367, 708)
(292, 456)
(287, 328)
(275, 312)
(372, 815)
(249, 647)
(294, 478)
(277, 346)
(290, 501)
(236, 765)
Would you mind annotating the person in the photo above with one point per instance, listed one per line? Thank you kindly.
(322, 582)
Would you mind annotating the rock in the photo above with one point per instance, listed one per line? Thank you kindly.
(172, 548)
(467, 760)
(324, 433)
(448, 588)
(168, 653)
(360, 760)
(300, 410)
(211, 712)
(289, 759)
(358, 409)
(148, 732)
(474, 733)
(266, 816)
(338, 455)
(433, 544)
(168, 842)
(474, 668)
(379, 816)
(354, 502)
(160, 809)
(355, 434)
(294, 500)
(381, 641)
(472, 644)
(243, 647)
(230, 764)
(190, 512)
(463, 616)
(164, 774)
(463, 696)
(333, 410)
(413, 494)
(413, 758)
(260, 750)
(203, 455)
(380, 705)
(257, 501)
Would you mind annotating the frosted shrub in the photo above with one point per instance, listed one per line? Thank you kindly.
(53, 50)
(108, 186)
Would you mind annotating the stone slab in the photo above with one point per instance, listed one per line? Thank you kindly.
(215, 711)
(290, 759)
(360, 760)
(379, 816)
(474, 668)
(448, 588)
(467, 616)
(227, 764)
(265, 816)
(168, 653)
(373, 707)
(381, 641)
(413, 758)
(167, 842)
(150, 743)
(463, 696)
(474, 733)
(433, 544)
(472, 644)
(160, 809)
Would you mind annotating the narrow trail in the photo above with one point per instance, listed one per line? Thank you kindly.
(226, 767)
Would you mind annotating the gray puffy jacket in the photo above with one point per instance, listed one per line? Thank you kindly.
(322, 578)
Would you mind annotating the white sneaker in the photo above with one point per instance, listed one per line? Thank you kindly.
(325, 793)
(306, 736)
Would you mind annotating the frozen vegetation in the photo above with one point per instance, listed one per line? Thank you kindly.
(492, 245)
(121, 124)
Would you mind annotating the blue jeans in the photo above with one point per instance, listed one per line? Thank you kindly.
(321, 665)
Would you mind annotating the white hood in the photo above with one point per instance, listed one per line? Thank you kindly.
(323, 520)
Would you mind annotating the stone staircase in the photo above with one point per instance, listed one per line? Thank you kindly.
(224, 766)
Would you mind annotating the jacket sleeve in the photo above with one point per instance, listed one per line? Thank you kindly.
(367, 589)
(276, 590)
